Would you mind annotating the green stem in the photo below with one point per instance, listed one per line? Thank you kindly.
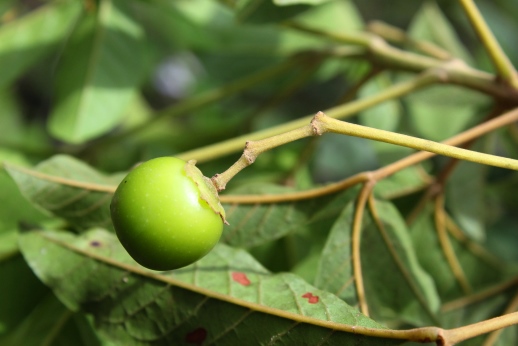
(339, 112)
(336, 126)
(502, 63)
(387, 56)
(321, 124)
(396, 35)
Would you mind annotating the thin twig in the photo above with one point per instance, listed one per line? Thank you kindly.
(396, 35)
(461, 303)
(356, 245)
(457, 335)
(447, 248)
(493, 337)
(475, 132)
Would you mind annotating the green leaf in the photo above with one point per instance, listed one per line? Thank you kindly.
(51, 323)
(479, 271)
(8, 244)
(396, 287)
(97, 77)
(294, 2)
(19, 292)
(226, 37)
(342, 156)
(69, 189)
(468, 179)
(255, 224)
(225, 298)
(386, 115)
(176, 28)
(33, 36)
(403, 182)
(439, 112)
(430, 24)
(15, 208)
(333, 16)
(265, 11)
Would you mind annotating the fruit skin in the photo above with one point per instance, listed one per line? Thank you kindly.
(160, 216)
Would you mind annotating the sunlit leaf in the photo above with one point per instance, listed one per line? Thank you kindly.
(97, 76)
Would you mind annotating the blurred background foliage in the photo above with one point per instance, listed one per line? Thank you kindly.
(116, 82)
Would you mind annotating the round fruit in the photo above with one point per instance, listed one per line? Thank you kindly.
(167, 214)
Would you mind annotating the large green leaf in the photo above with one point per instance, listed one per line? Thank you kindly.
(225, 298)
(396, 287)
(31, 37)
(101, 67)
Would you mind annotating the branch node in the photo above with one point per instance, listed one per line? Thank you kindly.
(249, 155)
(316, 124)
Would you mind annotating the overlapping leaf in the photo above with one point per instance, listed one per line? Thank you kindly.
(396, 287)
(225, 298)
(101, 67)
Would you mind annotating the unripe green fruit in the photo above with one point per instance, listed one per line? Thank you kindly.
(167, 214)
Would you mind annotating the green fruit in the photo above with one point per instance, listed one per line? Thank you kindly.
(167, 214)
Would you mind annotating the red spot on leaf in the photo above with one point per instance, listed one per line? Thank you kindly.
(240, 278)
(197, 336)
(311, 298)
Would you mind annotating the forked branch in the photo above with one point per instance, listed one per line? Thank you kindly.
(321, 124)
